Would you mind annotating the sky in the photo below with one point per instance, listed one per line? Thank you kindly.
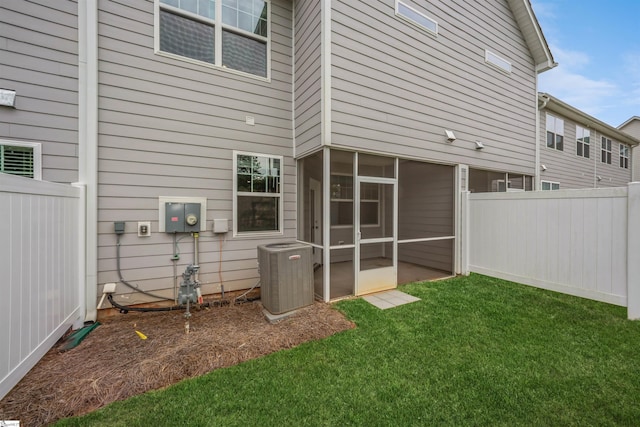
(597, 46)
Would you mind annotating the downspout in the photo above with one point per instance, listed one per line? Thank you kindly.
(595, 158)
(88, 143)
(540, 107)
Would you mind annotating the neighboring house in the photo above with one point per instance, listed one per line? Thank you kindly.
(632, 127)
(580, 151)
(350, 125)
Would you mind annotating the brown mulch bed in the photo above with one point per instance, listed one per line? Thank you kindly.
(114, 363)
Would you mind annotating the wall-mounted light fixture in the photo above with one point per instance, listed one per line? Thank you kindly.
(598, 177)
(450, 135)
(479, 145)
(8, 98)
(543, 168)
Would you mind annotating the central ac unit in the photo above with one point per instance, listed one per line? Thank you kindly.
(286, 276)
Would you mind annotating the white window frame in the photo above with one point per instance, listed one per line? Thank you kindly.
(606, 149)
(551, 185)
(346, 200)
(581, 134)
(497, 61)
(624, 156)
(37, 154)
(430, 25)
(555, 125)
(237, 193)
(218, 27)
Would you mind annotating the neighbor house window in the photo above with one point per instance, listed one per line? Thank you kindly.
(497, 61)
(582, 141)
(605, 150)
(410, 14)
(21, 158)
(548, 185)
(555, 132)
(232, 34)
(258, 193)
(624, 156)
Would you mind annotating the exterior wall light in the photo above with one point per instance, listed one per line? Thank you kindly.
(479, 145)
(8, 98)
(450, 135)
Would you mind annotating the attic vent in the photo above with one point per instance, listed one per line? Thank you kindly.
(496, 61)
(417, 18)
(17, 160)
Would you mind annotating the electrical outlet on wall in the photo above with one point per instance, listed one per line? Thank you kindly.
(144, 228)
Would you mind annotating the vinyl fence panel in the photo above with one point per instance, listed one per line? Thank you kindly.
(571, 241)
(39, 259)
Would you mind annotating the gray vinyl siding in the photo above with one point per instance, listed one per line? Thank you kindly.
(396, 88)
(633, 129)
(39, 51)
(168, 127)
(573, 171)
(308, 83)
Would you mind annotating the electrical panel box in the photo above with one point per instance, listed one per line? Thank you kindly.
(118, 227)
(182, 217)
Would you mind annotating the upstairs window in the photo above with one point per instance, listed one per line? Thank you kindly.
(605, 152)
(496, 61)
(555, 132)
(624, 156)
(232, 34)
(582, 141)
(20, 158)
(417, 18)
(258, 193)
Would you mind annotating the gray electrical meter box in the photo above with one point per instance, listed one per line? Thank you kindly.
(182, 217)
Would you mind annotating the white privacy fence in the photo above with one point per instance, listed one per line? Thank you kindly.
(40, 261)
(580, 242)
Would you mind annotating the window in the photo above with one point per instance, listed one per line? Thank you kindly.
(21, 158)
(496, 61)
(548, 185)
(624, 156)
(582, 141)
(555, 132)
(342, 202)
(417, 18)
(258, 193)
(606, 150)
(232, 34)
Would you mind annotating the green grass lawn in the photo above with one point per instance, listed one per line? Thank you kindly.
(473, 351)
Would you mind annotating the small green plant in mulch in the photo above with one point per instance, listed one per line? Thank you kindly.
(473, 351)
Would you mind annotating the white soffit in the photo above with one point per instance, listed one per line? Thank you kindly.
(532, 33)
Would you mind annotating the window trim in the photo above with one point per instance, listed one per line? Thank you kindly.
(608, 151)
(218, 27)
(554, 132)
(497, 62)
(624, 156)
(416, 23)
(237, 193)
(585, 134)
(352, 201)
(37, 155)
(551, 184)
